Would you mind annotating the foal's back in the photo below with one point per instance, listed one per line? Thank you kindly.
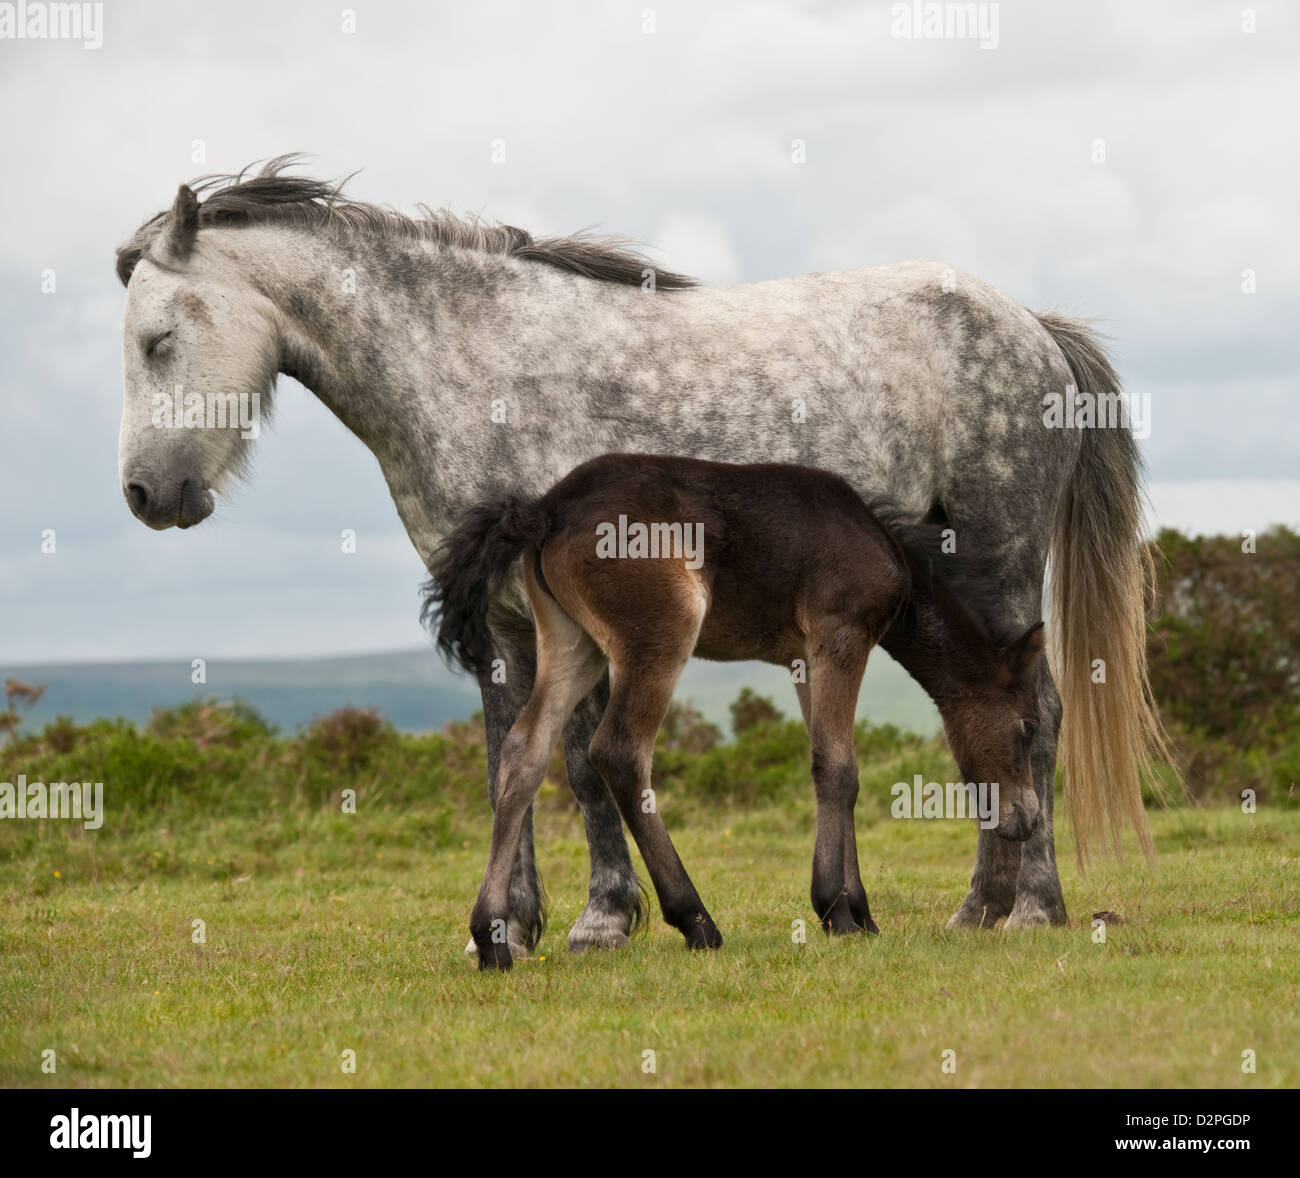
(787, 551)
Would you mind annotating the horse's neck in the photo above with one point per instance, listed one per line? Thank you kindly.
(418, 349)
(422, 326)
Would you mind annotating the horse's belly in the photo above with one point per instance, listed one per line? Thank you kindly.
(739, 634)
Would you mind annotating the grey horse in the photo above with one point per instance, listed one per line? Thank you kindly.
(475, 360)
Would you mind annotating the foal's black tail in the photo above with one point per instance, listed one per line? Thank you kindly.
(469, 568)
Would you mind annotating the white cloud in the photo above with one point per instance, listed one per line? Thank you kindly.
(682, 138)
(698, 244)
(1217, 507)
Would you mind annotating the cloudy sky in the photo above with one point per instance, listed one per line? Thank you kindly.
(1123, 161)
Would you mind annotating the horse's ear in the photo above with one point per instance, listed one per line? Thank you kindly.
(1023, 655)
(183, 228)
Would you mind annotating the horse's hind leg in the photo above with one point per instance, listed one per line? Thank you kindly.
(569, 663)
(615, 899)
(836, 666)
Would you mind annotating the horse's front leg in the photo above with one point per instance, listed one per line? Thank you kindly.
(616, 902)
(1038, 886)
(1020, 880)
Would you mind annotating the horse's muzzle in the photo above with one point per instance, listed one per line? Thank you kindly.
(1019, 824)
(179, 505)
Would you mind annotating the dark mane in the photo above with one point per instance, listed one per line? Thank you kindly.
(269, 197)
(958, 582)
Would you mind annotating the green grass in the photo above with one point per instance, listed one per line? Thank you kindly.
(328, 932)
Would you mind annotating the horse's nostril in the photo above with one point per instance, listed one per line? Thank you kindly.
(138, 496)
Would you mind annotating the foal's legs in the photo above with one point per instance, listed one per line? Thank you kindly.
(853, 888)
(569, 663)
(616, 902)
(837, 663)
(622, 750)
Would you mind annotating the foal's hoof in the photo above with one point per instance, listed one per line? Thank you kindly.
(847, 928)
(847, 916)
(518, 950)
(702, 935)
(493, 955)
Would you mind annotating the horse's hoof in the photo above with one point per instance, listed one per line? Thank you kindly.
(596, 929)
(971, 915)
(1031, 916)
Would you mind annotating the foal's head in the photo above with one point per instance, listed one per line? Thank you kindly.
(987, 690)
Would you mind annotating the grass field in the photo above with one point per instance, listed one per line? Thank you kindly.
(328, 933)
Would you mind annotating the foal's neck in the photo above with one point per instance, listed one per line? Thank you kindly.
(936, 641)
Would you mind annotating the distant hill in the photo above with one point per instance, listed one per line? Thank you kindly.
(412, 688)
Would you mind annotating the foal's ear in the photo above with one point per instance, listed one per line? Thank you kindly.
(1023, 655)
(183, 228)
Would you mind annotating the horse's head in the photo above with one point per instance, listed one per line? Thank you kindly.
(991, 725)
(199, 357)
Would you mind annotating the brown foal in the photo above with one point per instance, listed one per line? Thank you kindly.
(636, 563)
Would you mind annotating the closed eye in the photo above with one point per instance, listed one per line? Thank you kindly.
(152, 346)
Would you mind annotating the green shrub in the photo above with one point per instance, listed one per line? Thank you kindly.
(350, 739)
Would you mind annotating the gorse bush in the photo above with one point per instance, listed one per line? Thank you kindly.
(750, 710)
(1224, 637)
(205, 757)
(685, 730)
(211, 722)
(350, 738)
